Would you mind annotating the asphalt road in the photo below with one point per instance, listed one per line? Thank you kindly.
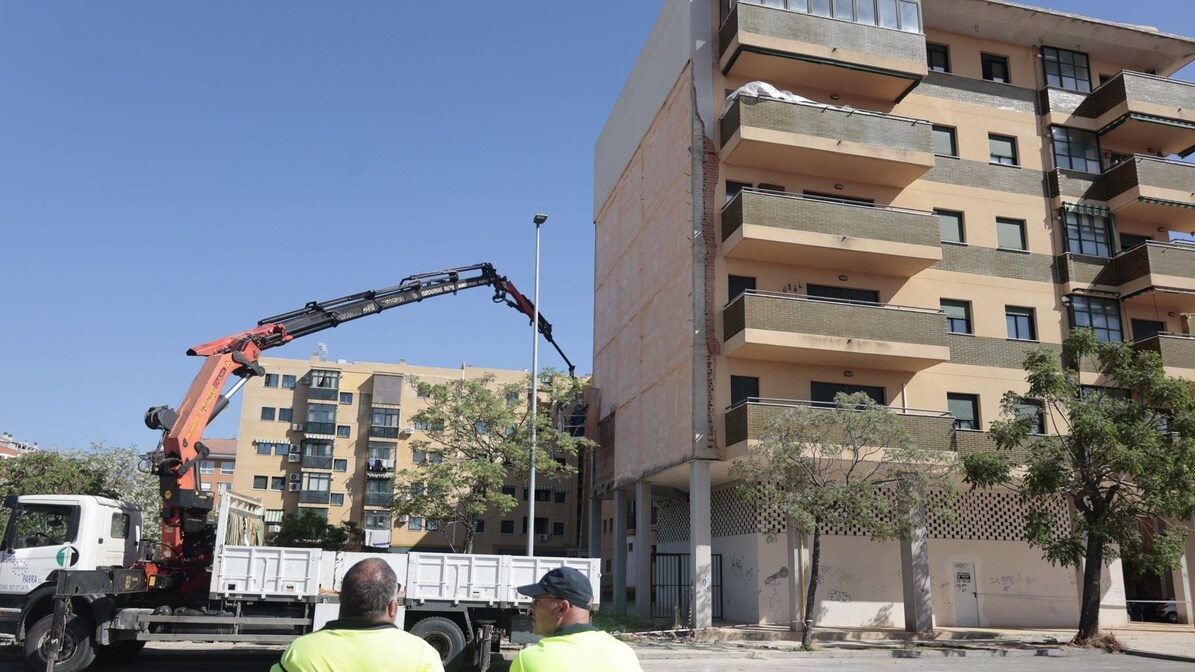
(205, 658)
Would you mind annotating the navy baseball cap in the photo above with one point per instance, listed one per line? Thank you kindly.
(565, 583)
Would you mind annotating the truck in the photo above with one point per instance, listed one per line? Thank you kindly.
(458, 603)
(105, 604)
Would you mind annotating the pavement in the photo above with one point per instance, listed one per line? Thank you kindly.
(1152, 640)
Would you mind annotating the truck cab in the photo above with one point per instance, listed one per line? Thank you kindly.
(46, 533)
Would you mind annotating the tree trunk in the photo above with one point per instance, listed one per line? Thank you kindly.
(1089, 603)
(470, 529)
(815, 555)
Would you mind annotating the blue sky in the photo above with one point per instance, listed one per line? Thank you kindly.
(172, 172)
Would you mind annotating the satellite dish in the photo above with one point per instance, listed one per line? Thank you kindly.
(323, 351)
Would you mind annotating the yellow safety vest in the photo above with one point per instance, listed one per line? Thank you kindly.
(346, 646)
(577, 648)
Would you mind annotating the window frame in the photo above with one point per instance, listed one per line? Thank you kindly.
(1021, 233)
(973, 401)
(950, 321)
(1073, 146)
(1091, 234)
(1013, 315)
(1097, 309)
(1014, 159)
(942, 50)
(986, 61)
(961, 218)
(1058, 58)
(951, 133)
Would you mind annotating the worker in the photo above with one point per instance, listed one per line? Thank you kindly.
(560, 604)
(365, 633)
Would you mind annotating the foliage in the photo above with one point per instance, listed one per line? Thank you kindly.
(124, 478)
(52, 472)
(1123, 454)
(476, 436)
(853, 465)
(307, 530)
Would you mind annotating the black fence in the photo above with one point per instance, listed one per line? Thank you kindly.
(671, 586)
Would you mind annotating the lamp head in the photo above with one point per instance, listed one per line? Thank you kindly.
(539, 219)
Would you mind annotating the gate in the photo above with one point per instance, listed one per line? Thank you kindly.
(671, 585)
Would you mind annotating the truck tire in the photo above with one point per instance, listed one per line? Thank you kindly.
(446, 637)
(76, 653)
(118, 653)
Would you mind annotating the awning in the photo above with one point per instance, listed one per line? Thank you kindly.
(1087, 209)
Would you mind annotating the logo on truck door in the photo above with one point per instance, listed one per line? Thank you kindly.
(68, 556)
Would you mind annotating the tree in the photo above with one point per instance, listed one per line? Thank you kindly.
(852, 465)
(124, 477)
(52, 472)
(1122, 454)
(477, 434)
(307, 530)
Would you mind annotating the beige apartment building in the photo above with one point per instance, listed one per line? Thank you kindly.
(794, 198)
(328, 436)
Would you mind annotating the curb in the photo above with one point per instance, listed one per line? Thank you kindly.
(1174, 657)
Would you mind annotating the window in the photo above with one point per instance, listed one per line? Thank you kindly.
(937, 57)
(343, 431)
(260, 482)
(838, 198)
(995, 68)
(422, 391)
(735, 188)
(207, 467)
(1020, 323)
(340, 465)
(1032, 410)
(945, 143)
(321, 418)
(507, 527)
(479, 527)
(227, 466)
(324, 384)
(1066, 69)
(336, 499)
(383, 423)
(380, 491)
(346, 397)
(415, 523)
(286, 414)
(965, 409)
(1075, 149)
(225, 487)
(1003, 150)
(1128, 241)
(1010, 233)
(317, 482)
(743, 389)
(317, 454)
(951, 224)
(845, 294)
(823, 394)
(379, 450)
(1146, 328)
(559, 497)
(432, 525)
(281, 448)
(958, 316)
(1102, 315)
(558, 529)
(1087, 234)
(377, 520)
(267, 412)
(319, 513)
(509, 490)
(44, 525)
(288, 382)
(271, 380)
(737, 284)
(264, 448)
(278, 483)
(543, 493)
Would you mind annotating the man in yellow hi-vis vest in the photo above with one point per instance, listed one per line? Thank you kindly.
(560, 604)
(365, 637)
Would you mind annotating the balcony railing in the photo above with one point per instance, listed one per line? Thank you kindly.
(383, 432)
(821, 232)
(834, 142)
(1159, 275)
(1177, 350)
(1152, 190)
(379, 498)
(803, 329)
(929, 430)
(326, 428)
(314, 496)
(317, 461)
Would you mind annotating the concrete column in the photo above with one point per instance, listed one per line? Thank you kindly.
(593, 528)
(914, 566)
(798, 562)
(619, 549)
(643, 549)
(700, 541)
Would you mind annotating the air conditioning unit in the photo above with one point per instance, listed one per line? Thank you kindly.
(294, 449)
(296, 427)
(296, 477)
(403, 518)
(273, 528)
(541, 537)
(294, 457)
(294, 487)
(406, 431)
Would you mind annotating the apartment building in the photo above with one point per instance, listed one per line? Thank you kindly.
(794, 198)
(216, 472)
(327, 437)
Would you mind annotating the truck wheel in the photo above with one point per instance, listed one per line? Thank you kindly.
(116, 654)
(446, 637)
(76, 652)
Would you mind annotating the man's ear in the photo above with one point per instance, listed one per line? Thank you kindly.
(392, 608)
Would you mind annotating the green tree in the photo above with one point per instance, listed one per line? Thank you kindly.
(1122, 454)
(307, 530)
(52, 472)
(853, 465)
(124, 477)
(477, 434)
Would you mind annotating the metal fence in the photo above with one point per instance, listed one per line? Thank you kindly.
(672, 589)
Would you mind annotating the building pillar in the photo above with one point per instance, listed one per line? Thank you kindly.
(593, 528)
(643, 591)
(914, 566)
(1181, 581)
(700, 541)
(798, 562)
(619, 551)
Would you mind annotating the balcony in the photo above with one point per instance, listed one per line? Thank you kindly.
(931, 430)
(1177, 350)
(800, 329)
(379, 498)
(1132, 110)
(791, 229)
(321, 428)
(314, 496)
(317, 461)
(1153, 190)
(1160, 276)
(829, 141)
(777, 45)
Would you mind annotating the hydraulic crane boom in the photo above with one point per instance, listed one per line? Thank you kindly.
(184, 503)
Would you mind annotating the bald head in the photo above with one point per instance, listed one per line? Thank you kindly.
(367, 590)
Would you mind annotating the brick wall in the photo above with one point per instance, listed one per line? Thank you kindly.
(786, 212)
(996, 177)
(834, 319)
(996, 263)
(995, 352)
(798, 27)
(825, 122)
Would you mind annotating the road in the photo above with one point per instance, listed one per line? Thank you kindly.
(204, 658)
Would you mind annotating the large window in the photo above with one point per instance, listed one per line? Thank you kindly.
(1075, 149)
(735, 188)
(937, 57)
(965, 409)
(325, 384)
(1087, 234)
(1020, 323)
(321, 418)
(317, 454)
(737, 284)
(951, 223)
(743, 389)
(377, 520)
(379, 491)
(383, 423)
(897, 14)
(1066, 69)
(1002, 149)
(945, 143)
(267, 412)
(42, 525)
(995, 68)
(1102, 315)
(1032, 410)
(845, 294)
(958, 316)
(1010, 233)
(822, 394)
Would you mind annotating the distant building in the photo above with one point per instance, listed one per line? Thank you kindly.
(216, 472)
(10, 446)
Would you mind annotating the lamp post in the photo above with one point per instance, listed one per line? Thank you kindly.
(538, 219)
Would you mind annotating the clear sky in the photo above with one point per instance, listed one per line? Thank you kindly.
(172, 172)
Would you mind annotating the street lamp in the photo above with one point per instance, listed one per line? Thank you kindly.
(538, 219)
